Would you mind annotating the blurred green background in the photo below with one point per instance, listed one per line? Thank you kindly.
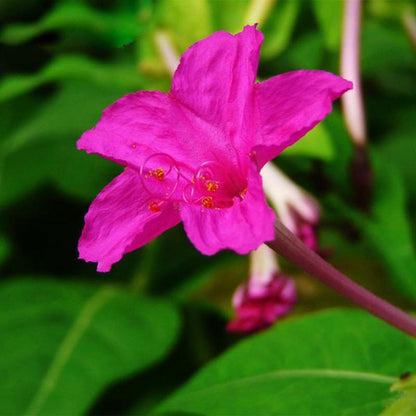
(76, 342)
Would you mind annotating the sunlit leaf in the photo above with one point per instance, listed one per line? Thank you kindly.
(194, 17)
(63, 343)
(279, 27)
(229, 15)
(333, 362)
(316, 144)
(405, 405)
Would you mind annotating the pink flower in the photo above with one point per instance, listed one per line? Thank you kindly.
(267, 296)
(297, 209)
(258, 309)
(194, 154)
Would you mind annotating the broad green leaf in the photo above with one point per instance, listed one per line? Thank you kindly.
(329, 17)
(72, 67)
(75, 107)
(334, 362)
(44, 147)
(63, 343)
(279, 27)
(317, 144)
(405, 405)
(117, 28)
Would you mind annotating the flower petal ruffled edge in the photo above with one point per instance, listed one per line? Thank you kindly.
(291, 104)
(215, 80)
(119, 221)
(242, 227)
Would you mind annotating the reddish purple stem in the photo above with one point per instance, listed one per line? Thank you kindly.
(290, 247)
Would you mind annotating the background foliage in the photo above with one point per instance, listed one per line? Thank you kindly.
(75, 342)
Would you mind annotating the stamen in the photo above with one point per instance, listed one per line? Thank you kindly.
(160, 176)
(154, 207)
(158, 173)
(212, 186)
(207, 202)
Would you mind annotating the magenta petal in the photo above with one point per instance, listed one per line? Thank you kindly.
(130, 129)
(258, 310)
(119, 220)
(291, 104)
(147, 123)
(215, 80)
(242, 227)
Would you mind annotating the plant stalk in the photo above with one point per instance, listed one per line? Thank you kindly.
(290, 247)
(352, 100)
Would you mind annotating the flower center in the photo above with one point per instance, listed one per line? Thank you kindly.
(212, 185)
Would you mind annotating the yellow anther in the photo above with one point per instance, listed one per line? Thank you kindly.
(207, 202)
(212, 186)
(158, 173)
(154, 207)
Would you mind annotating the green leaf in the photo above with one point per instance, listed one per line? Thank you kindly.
(5, 248)
(64, 343)
(388, 9)
(306, 52)
(72, 67)
(78, 174)
(399, 147)
(329, 17)
(388, 228)
(333, 362)
(118, 28)
(405, 405)
(43, 147)
(392, 70)
(316, 144)
(194, 17)
(337, 169)
(279, 27)
(229, 15)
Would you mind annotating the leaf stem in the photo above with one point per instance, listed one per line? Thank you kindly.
(290, 247)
